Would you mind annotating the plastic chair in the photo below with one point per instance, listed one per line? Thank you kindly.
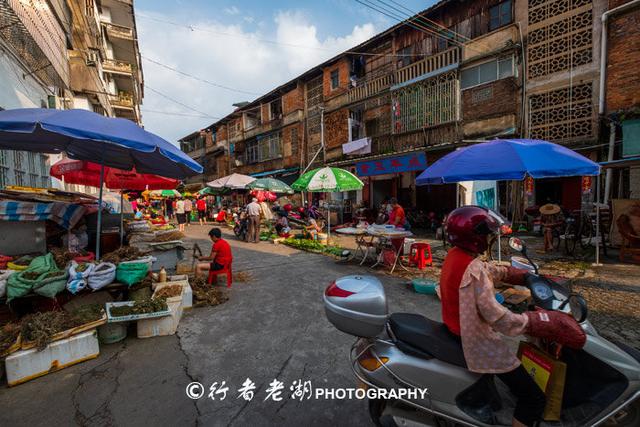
(214, 273)
(420, 255)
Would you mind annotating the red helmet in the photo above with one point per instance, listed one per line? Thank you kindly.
(469, 226)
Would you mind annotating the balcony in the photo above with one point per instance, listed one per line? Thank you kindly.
(118, 31)
(117, 67)
(428, 65)
(122, 100)
(369, 88)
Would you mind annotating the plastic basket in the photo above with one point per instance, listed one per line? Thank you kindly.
(424, 286)
(113, 319)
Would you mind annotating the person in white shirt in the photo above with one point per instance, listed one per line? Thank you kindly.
(180, 214)
(253, 211)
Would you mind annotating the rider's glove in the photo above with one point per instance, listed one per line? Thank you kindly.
(516, 276)
(555, 326)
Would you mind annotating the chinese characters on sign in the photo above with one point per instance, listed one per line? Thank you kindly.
(406, 163)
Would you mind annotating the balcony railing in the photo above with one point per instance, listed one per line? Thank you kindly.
(122, 100)
(369, 88)
(118, 67)
(118, 31)
(428, 65)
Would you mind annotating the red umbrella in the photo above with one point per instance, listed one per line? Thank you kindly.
(87, 173)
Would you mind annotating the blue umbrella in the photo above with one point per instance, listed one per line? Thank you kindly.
(508, 159)
(85, 135)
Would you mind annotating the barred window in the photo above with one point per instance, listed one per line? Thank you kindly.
(429, 103)
(263, 149)
(294, 141)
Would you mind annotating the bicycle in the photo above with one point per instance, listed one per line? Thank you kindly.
(579, 230)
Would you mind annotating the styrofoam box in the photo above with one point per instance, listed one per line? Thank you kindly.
(161, 326)
(26, 365)
(187, 294)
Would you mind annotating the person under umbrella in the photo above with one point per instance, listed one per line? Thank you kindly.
(551, 218)
(253, 211)
(201, 206)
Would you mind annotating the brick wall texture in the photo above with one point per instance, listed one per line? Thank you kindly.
(623, 77)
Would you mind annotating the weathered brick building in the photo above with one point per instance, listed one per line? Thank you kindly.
(457, 73)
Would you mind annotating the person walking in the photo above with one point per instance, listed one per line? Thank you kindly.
(180, 215)
(201, 206)
(253, 211)
(188, 207)
(168, 204)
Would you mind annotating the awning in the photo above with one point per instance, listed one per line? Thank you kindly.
(622, 163)
(275, 172)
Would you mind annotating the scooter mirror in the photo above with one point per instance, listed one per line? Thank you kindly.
(517, 244)
(578, 307)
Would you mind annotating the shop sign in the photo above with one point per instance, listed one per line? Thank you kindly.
(398, 164)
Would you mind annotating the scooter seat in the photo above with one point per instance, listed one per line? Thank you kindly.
(426, 338)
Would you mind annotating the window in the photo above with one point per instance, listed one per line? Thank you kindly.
(500, 15)
(356, 130)
(275, 109)
(45, 182)
(44, 169)
(335, 79)
(265, 148)
(405, 56)
(487, 72)
(31, 160)
(19, 178)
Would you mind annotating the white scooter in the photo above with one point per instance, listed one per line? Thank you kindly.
(410, 351)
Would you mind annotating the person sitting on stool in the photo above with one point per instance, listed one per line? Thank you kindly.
(220, 256)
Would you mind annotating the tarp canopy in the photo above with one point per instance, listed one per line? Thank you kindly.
(85, 135)
(88, 173)
(508, 159)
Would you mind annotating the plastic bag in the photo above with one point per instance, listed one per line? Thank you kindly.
(132, 272)
(4, 275)
(78, 280)
(102, 275)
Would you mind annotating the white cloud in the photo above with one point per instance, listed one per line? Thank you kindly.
(244, 61)
(233, 10)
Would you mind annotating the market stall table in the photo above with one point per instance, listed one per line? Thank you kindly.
(393, 236)
(364, 241)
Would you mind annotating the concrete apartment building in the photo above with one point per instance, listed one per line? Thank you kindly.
(66, 54)
(455, 74)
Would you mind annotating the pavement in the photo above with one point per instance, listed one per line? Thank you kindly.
(273, 327)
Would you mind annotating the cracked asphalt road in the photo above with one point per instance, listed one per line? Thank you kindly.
(273, 327)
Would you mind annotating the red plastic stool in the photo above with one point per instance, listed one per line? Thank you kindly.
(214, 273)
(417, 255)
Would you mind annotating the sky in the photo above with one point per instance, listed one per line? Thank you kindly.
(235, 51)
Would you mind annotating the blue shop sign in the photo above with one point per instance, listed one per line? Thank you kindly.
(406, 163)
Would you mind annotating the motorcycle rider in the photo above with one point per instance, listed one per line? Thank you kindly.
(471, 312)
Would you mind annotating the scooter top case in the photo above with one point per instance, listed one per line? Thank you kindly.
(357, 305)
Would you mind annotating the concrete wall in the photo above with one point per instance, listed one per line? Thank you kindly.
(17, 91)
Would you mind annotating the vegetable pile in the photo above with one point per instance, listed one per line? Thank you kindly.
(144, 306)
(313, 246)
(207, 295)
(169, 291)
(126, 253)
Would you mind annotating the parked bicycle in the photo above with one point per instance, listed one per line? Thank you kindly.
(579, 230)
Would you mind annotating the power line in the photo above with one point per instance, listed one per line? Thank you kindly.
(274, 42)
(419, 14)
(177, 102)
(168, 67)
(169, 113)
(405, 21)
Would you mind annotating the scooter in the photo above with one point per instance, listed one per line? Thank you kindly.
(241, 226)
(410, 351)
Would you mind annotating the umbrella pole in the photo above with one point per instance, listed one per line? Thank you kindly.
(121, 219)
(99, 225)
(598, 237)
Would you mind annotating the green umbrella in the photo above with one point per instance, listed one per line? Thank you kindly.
(165, 193)
(327, 180)
(208, 191)
(270, 184)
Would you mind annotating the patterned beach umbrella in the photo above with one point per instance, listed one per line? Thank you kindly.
(327, 180)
